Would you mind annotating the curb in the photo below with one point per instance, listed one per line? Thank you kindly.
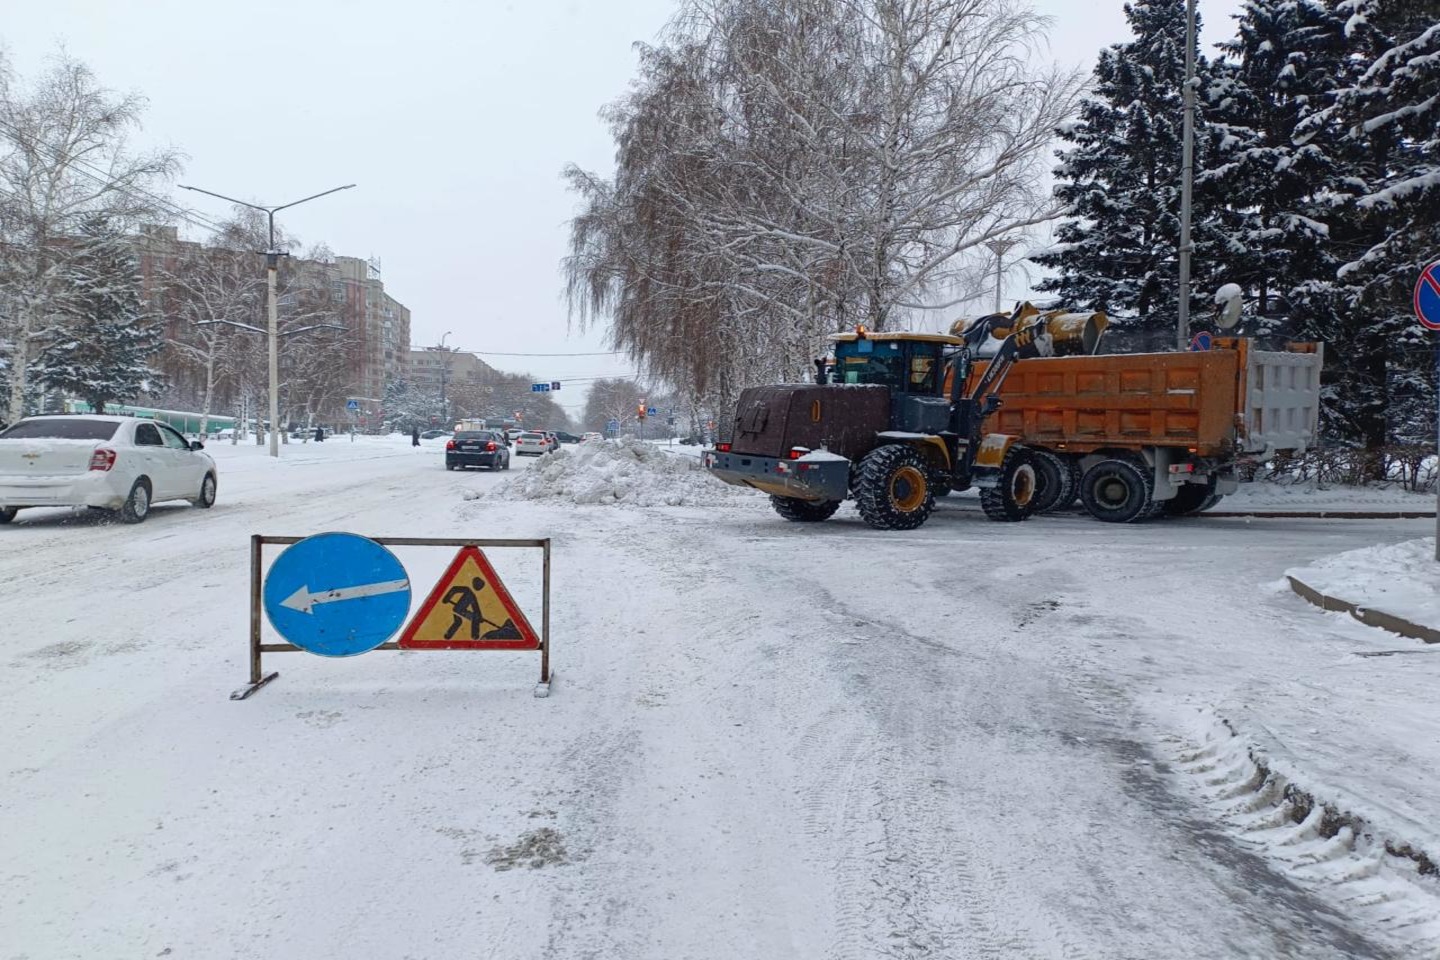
(1366, 615)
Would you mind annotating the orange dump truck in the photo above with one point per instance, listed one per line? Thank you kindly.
(1134, 435)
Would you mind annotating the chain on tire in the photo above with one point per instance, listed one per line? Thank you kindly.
(1013, 498)
(892, 488)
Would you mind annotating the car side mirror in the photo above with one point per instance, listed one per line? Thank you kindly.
(196, 445)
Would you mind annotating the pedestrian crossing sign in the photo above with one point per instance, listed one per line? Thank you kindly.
(469, 609)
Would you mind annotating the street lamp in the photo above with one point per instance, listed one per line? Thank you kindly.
(1000, 246)
(444, 369)
(272, 260)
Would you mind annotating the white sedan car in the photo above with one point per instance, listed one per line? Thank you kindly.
(108, 463)
(532, 444)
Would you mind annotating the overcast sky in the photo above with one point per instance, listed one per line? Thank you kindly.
(454, 119)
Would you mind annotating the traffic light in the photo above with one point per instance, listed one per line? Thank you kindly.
(641, 411)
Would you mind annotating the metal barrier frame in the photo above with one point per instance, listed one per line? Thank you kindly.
(258, 677)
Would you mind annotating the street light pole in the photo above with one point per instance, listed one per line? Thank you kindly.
(1000, 246)
(1187, 179)
(272, 262)
(444, 369)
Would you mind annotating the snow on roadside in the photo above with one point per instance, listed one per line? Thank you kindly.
(1311, 496)
(1401, 579)
(628, 472)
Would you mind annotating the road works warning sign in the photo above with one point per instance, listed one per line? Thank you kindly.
(469, 609)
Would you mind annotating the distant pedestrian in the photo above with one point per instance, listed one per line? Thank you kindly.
(319, 434)
(414, 436)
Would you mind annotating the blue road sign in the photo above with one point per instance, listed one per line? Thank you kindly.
(1427, 296)
(1201, 341)
(612, 426)
(352, 405)
(539, 388)
(337, 594)
(651, 412)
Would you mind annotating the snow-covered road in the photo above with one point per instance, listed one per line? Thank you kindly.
(766, 740)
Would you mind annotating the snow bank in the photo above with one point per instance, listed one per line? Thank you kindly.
(625, 471)
(1402, 579)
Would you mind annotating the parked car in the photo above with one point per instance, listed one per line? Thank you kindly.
(433, 434)
(531, 444)
(477, 448)
(107, 463)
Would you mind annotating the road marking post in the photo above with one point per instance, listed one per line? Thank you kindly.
(1427, 311)
(339, 595)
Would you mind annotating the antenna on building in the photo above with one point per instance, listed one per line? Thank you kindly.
(374, 265)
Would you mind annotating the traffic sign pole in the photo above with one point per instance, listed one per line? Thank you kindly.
(1427, 309)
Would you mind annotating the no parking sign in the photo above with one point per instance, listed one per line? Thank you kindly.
(1427, 296)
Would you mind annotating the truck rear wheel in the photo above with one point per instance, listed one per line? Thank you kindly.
(1054, 482)
(804, 511)
(1191, 498)
(1013, 498)
(1118, 491)
(892, 488)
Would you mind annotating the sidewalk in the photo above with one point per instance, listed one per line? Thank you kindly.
(1396, 587)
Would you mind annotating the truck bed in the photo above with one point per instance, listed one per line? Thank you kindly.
(1230, 400)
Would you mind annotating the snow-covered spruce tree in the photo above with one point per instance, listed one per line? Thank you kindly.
(1385, 116)
(1119, 180)
(106, 341)
(1274, 197)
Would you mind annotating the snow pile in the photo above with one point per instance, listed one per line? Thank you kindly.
(1402, 579)
(626, 471)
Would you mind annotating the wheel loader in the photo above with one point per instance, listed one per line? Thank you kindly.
(894, 420)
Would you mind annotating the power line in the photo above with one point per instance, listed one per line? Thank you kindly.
(95, 174)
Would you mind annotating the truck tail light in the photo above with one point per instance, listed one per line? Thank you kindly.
(102, 459)
(722, 448)
(449, 444)
(797, 452)
(1182, 468)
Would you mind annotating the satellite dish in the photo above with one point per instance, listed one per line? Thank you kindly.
(1231, 301)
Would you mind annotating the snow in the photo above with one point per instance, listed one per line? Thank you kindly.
(764, 739)
(1402, 579)
(625, 472)
(1228, 292)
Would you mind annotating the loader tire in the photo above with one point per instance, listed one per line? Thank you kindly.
(892, 488)
(1054, 482)
(804, 511)
(1013, 498)
(1118, 491)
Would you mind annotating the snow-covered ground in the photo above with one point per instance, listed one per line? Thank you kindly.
(1402, 579)
(764, 740)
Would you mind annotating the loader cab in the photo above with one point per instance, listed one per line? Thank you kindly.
(907, 363)
(911, 365)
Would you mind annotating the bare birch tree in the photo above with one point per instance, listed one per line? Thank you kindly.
(786, 168)
(63, 161)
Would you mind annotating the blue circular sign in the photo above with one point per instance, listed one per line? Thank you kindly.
(337, 594)
(1200, 342)
(1427, 296)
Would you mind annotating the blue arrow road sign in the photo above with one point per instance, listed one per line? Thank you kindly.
(337, 594)
(1427, 296)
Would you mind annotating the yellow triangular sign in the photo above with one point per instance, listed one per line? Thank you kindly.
(469, 609)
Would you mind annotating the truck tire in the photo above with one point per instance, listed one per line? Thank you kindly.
(1054, 481)
(1013, 498)
(1118, 491)
(892, 488)
(1191, 498)
(804, 511)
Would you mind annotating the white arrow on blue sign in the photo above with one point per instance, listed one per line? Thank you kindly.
(337, 594)
(1427, 296)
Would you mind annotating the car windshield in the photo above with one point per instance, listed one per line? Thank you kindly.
(61, 428)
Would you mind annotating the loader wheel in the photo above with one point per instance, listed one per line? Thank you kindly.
(1013, 498)
(1054, 483)
(892, 488)
(1118, 491)
(804, 511)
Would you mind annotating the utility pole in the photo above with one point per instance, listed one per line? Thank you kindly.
(444, 370)
(1187, 180)
(1000, 246)
(272, 265)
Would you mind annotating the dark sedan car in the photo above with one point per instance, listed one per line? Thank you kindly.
(477, 448)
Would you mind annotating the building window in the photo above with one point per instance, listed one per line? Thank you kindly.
(337, 290)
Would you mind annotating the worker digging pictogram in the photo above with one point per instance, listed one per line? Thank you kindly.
(469, 609)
